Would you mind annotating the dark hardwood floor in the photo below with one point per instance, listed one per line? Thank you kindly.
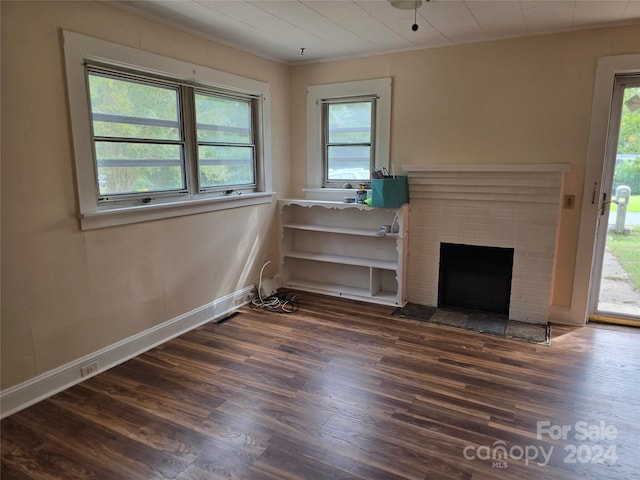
(344, 390)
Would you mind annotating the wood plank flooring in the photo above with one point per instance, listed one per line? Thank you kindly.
(344, 390)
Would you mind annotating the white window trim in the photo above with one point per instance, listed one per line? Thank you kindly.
(79, 48)
(380, 87)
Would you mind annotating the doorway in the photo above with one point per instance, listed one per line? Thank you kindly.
(618, 232)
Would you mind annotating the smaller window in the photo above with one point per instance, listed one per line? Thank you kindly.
(349, 146)
(348, 132)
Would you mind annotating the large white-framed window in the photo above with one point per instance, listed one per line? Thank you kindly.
(348, 131)
(156, 137)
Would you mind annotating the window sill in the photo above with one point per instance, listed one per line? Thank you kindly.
(332, 194)
(144, 213)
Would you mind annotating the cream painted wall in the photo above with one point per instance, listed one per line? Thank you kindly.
(514, 101)
(68, 293)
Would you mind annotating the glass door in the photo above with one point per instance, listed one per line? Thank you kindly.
(619, 223)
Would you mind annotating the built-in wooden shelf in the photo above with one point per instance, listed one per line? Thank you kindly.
(337, 249)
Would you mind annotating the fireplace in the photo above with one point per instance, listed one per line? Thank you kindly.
(475, 277)
(513, 207)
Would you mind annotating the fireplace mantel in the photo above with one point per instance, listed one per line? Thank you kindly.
(494, 167)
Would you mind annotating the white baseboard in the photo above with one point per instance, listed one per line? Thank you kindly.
(49, 383)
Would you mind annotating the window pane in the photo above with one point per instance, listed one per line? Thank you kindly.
(348, 163)
(223, 120)
(349, 122)
(129, 109)
(138, 167)
(225, 166)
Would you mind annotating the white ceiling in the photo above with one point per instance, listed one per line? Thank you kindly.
(331, 29)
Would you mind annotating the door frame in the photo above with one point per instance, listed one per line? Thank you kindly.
(583, 277)
(608, 171)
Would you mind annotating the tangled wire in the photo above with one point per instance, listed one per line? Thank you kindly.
(283, 301)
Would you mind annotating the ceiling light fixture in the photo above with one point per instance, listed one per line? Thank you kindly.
(408, 5)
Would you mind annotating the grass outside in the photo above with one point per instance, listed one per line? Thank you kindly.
(634, 204)
(626, 247)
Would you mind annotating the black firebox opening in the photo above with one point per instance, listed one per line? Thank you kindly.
(475, 277)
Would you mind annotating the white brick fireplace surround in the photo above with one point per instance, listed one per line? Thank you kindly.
(509, 206)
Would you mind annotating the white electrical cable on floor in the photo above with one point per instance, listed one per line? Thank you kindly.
(260, 282)
(275, 303)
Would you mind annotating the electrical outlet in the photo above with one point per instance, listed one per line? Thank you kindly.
(89, 369)
(264, 259)
(569, 201)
